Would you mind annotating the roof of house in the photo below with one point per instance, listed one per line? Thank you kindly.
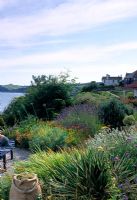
(131, 75)
(112, 77)
(135, 74)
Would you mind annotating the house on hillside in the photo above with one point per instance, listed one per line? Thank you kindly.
(130, 82)
(130, 78)
(111, 80)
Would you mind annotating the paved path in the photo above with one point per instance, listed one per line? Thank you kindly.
(19, 154)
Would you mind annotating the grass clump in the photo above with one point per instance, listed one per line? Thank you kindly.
(76, 174)
(45, 137)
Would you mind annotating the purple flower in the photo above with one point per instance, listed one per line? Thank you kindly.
(127, 183)
(135, 166)
(120, 186)
(125, 197)
(127, 154)
(116, 158)
(77, 110)
(129, 139)
(135, 180)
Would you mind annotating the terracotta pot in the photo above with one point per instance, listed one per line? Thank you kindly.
(26, 188)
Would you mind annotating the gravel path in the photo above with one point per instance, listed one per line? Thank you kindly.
(18, 154)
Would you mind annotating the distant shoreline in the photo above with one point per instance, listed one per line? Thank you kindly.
(11, 92)
(13, 88)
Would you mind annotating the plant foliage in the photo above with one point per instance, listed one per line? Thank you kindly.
(113, 111)
(46, 96)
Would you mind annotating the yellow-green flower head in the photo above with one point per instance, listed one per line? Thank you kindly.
(100, 148)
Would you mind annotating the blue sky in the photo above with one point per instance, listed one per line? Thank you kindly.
(90, 38)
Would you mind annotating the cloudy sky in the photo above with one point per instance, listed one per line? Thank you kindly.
(88, 37)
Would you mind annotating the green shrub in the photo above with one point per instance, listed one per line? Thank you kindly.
(90, 87)
(86, 97)
(93, 98)
(46, 137)
(15, 111)
(112, 112)
(5, 184)
(93, 86)
(129, 120)
(36, 134)
(130, 95)
(2, 123)
(22, 133)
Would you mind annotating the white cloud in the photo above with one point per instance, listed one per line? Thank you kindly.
(75, 55)
(69, 17)
(25, 44)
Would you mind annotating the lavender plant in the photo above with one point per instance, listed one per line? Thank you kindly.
(82, 117)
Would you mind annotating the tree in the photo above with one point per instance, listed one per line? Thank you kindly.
(46, 96)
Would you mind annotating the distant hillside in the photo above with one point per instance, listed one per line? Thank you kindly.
(13, 88)
(22, 89)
